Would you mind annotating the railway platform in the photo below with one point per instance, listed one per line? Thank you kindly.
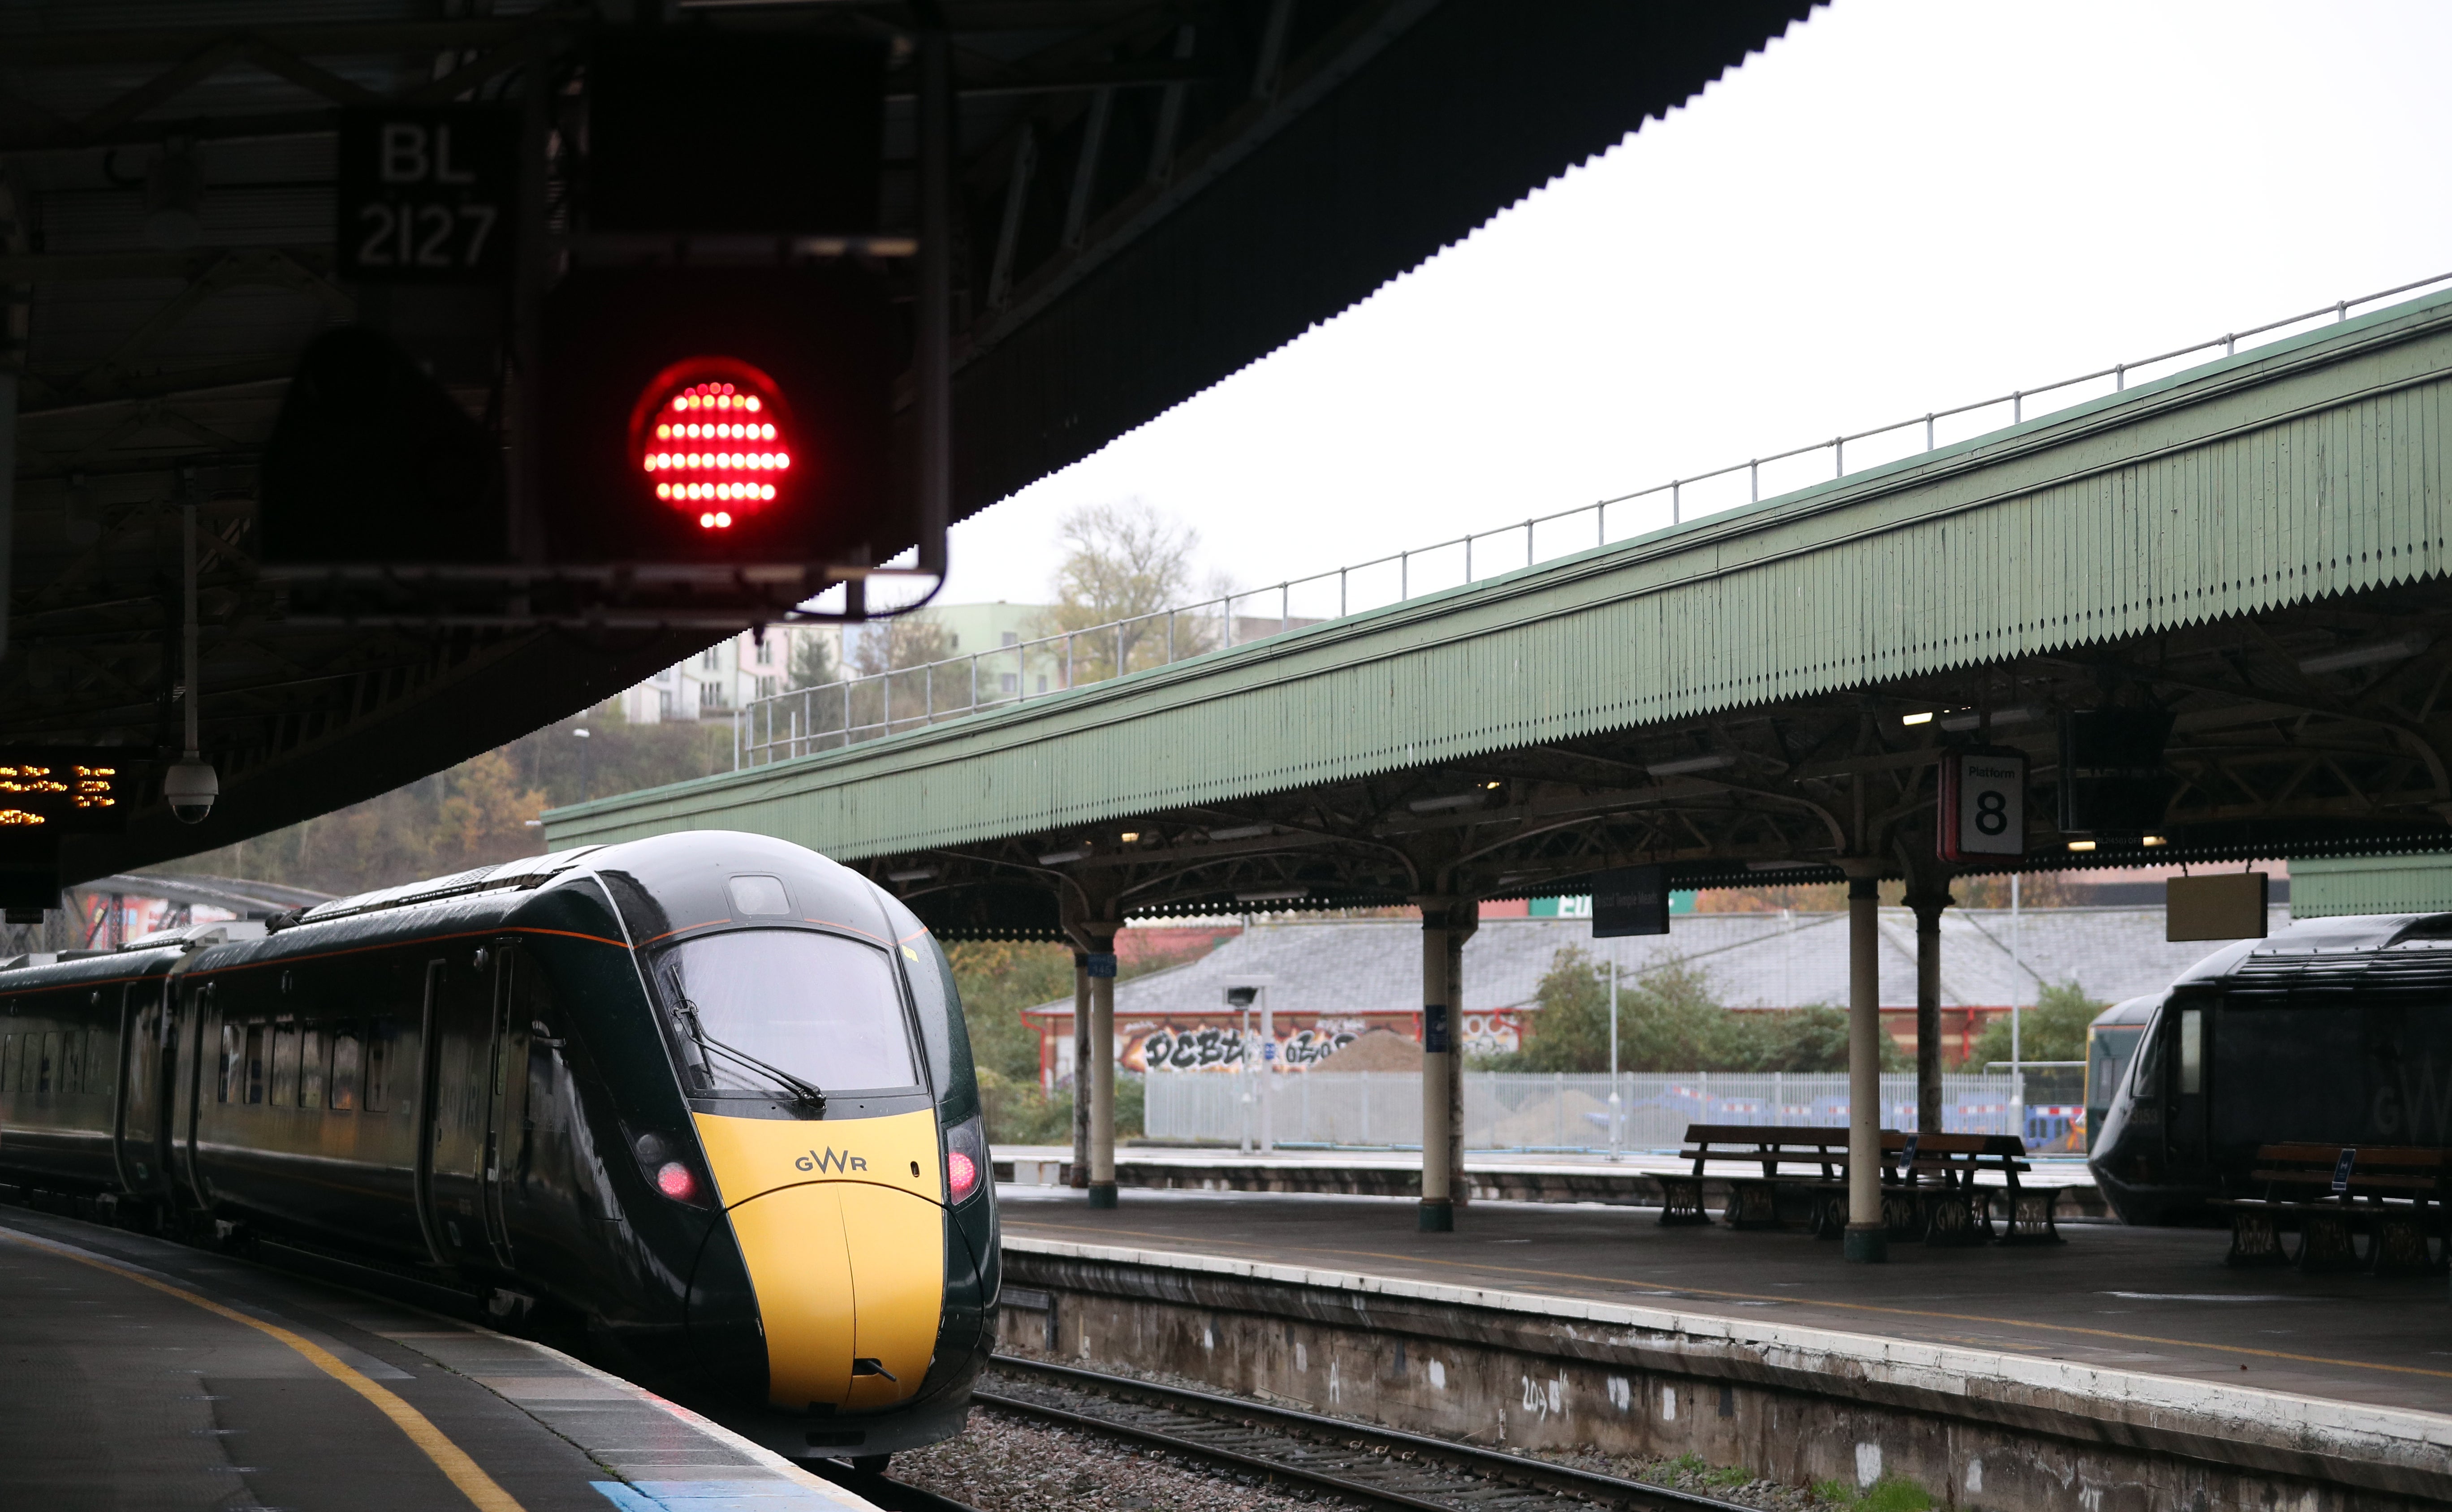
(1631, 1179)
(2126, 1362)
(137, 1373)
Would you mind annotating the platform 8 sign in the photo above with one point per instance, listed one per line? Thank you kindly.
(1983, 804)
(428, 195)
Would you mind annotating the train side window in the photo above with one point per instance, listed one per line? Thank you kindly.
(311, 1049)
(2192, 1051)
(233, 1063)
(379, 1057)
(254, 1070)
(285, 1065)
(345, 1067)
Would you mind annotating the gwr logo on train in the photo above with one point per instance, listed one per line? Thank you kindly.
(830, 1161)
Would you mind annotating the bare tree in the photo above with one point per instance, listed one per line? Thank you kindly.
(1124, 561)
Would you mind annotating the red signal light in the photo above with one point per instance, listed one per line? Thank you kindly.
(714, 440)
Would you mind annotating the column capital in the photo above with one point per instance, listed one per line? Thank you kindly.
(1094, 936)
(1928, 899)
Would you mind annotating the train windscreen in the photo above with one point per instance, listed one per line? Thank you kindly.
(2108, 1051)
(759, 1010)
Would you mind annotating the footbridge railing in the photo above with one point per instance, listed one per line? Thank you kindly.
(829, 716)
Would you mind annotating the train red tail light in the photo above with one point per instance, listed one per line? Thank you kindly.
(966, 1157)
(673, 1179)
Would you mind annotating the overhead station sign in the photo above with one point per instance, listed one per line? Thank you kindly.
(63, 790)
(1983, 804)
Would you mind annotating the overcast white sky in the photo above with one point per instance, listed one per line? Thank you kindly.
(1897, 207)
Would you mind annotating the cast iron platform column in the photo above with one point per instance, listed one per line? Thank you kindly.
(1438, 1039)
(1867, 1239)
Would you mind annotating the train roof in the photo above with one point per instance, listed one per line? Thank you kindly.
(2366, 951)
(2131, 1010)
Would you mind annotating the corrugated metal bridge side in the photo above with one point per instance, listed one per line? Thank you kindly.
(2310, 468)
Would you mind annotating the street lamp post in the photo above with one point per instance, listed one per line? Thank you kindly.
(1616, 1119)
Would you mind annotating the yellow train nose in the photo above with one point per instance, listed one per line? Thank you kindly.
(844, 1244)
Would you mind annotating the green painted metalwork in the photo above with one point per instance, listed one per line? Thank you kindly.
(2309, 468)
(2370, 884)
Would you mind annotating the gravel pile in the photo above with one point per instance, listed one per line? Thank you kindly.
(1005, 1464)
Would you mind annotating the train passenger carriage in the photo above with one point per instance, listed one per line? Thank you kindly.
(2336, 1030)
(707, 1095)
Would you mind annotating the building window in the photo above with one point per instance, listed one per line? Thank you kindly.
(712, 659)
(1011, 682)
(664, 703)
(766, 687)
(710, 695)
(1012, 638)
(1043, 682)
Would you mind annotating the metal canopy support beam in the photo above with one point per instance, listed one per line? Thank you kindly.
(1081, 1068)
(934, 360)
(1463, 920)
(1101, 936)
(1438, 1056)
(1928, 905)
(1866, 1237)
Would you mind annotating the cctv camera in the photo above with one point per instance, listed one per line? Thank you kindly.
(191, 786)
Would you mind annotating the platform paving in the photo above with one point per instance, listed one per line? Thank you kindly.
(2139, 1301)
(140, 1374)
(1631, 1178)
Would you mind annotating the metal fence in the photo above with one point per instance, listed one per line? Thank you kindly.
(1506, 1111)
(866, 708)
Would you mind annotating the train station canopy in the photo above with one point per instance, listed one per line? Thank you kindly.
(1152, 195)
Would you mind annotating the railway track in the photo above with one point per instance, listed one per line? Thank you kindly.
(1381, 1467)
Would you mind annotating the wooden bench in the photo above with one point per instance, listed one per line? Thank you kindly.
(1752, 1200)
(2330, 1193)
(1930, 1187)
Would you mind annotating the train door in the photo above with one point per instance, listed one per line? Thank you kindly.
(2191, 1060)
(142, 1135)
(455, 1053)
(195, 1076)
(505, 1095)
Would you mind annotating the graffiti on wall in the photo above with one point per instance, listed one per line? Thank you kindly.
(1222, 1047)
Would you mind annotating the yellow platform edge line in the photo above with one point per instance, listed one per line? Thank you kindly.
(463, 1472)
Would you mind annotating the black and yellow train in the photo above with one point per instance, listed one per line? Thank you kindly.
(707, 1096)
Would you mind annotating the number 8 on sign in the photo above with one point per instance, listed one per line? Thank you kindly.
(1983, 804)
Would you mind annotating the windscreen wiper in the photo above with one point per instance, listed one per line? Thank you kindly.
(803, 1091)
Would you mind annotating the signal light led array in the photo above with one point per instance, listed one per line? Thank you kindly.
(714, 446)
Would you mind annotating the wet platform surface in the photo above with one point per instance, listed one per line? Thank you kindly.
(136, 1373)
(2151, 1301)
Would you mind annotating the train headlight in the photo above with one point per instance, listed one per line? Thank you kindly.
(966, 1159)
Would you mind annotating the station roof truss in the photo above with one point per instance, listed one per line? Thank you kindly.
(1153, 193)
(2255, 547)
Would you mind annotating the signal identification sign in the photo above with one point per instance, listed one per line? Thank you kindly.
(1983, 804)
(426, 195)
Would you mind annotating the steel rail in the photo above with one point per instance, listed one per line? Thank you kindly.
(1213, 620)
(1517, 1471)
